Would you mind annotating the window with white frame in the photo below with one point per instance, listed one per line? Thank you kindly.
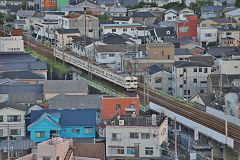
(88, 130)
(15, 132)
(208, 35)
(148, 151)
(39, 134)
(103, 56)
(116, 136)
(183, 29)
(13, 118)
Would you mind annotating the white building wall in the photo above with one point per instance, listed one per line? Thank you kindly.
(206, 34)
(161, 133)
(11, 44)
(13, 125)
(229, 66)
(170, 16)
(179, 76)
(183, 15)
(113, 59)
(119, 31)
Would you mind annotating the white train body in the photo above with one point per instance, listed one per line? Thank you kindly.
(126, 81)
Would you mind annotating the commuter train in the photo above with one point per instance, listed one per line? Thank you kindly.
(126, 81)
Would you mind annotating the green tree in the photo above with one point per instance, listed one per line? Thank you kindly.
(103, 17)
(237, 3)
(11, 18)
(174, 5)
(25, 6)
(196, 7)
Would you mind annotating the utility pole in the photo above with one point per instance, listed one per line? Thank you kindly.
(4, 23)
(8, 142)
(226, 121)
(212, 157)
(48, 32)
(175, 135)
(63, 44)
(144, 40)
(94, 47)
(85, 26)
(55, 44)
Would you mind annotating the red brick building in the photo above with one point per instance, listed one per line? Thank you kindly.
(187, 28)
(122, 106)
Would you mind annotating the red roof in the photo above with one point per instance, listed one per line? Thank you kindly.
(16, 32)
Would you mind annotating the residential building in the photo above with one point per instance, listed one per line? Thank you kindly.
(20, 22)
(135, 136)
(113, 38)
(194, 48)
(229, 42)
(187, 28)
(64, 37)
(122, 20)
(144, 18)
(234, 14)
(112, 106)
(59, 148)
(67, 123)
(12, 114)
(181, 54)
(24, 76)
(87, 4)
(211, 11)
(52, 88)
(206, 35)
(19, 148)
(222, 52)
(118, 11)
(230, 66)
(226, 31)
(119, 29)
(189, 78)
(159, 78)
(177, 14)
(77, 21)
(217, 22)
(161, 33)
(13, 43)
(202, 99)
(91, 101)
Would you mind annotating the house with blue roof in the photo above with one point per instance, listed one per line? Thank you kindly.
(66, 123)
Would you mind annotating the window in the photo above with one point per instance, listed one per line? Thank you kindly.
(113, 30)
(148, 151)
(116, 150)
(155, 53)
(132, 106)
(202, 90)
(181, 75)
(132, 29)
(204, 25)
(90, 30)
(185, 81)
(130, 150)
(116, 137)
(118, 106)
(205, 70)
(39, 134)
(14, 118)
(183, 29)
(88, 130)
(103, 56)
(1, 118)
(200, 69)
(111, 55)
(124, 30)
(189, 92)
(73, 130)
(168, 56)
(229, 33)
(57, 158)
(185, 92)
(184, 69)
(181, 86)
(169, 78)
(78, 131)
(45, 158)
(158, 80)
(145, 135)
(162, 53)
(236, 67)
(208, 35)
(195, 69)
(169, 18)
(15, 132)
(134, 135)
(194, 80)
(1, 132)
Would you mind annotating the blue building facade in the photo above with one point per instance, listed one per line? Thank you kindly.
(63, 123)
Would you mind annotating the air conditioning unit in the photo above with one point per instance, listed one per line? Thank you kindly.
(121, 122)
(113, 122)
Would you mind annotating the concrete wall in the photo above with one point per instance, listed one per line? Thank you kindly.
(229, 66)
(13, 125)
(11, 44)
(207, 34)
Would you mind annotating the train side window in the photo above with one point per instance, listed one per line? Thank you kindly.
(128, 80)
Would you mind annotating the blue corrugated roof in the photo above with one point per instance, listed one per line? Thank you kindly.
(78, 117)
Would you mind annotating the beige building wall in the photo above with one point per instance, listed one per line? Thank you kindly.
(66, 39)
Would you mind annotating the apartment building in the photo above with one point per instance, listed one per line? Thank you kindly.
(130, 136)
(206, 35)
(64, 37)
(189, 78)
(228, 32)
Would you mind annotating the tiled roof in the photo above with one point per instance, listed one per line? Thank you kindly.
(25, 97)
(228, 28)
(143, 14)
(13, 8)
(75, 102)
(21, 88)
(80, 40)
(13, 105)
(21, 75)
(207, 8)
(205, 59)
(165, 32)
(65, 86)
(113, 38)
(78, 117)
(222, 51)
(38, 65)
(73, 15)
(121, 18)
(25, 13)
(157, 68)
(16, 32)
(182, 51)
(235, 12)
(118, 9)
(90, 150)
(67, 31)
(180, 64)
(110, 48)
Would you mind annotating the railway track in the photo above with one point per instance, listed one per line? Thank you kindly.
(193, 114)
(198, 116)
